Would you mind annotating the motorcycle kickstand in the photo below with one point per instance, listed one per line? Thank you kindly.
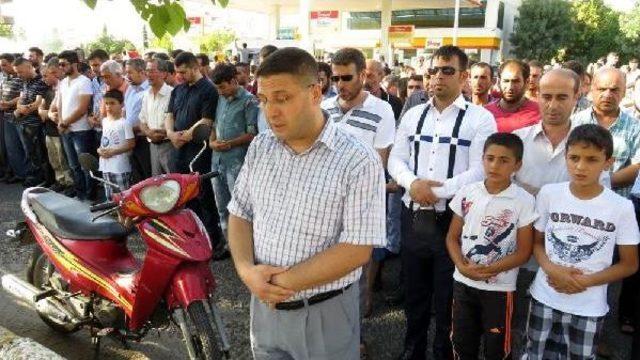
(96, 341)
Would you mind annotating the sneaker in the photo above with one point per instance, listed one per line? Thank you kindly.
(220, 252)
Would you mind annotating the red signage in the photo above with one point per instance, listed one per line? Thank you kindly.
(195, 20)
(401, 29)
(332, 14)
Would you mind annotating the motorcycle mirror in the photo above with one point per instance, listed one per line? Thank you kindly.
(88, 162)
(201, 133)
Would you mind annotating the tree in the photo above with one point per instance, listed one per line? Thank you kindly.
(596, 30)
(216, 41)
(542, 29)
(163, 16)
(110, 44)
(630, 28)
(164, 42)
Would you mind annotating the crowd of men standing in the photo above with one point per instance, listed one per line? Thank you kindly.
(427, 130)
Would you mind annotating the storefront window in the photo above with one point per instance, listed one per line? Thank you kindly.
(437, 18)
(364, 20)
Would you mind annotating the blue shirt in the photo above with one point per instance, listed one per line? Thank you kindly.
(626, 140)
(235, 117)
(133, 102)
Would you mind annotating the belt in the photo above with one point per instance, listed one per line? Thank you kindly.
(315, 299)
(160, 142)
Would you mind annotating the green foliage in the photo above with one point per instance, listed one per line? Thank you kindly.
(6, 30)
(542, 29)
(597, 30)
(110, 44)
(215, 41)
(164, 42)
(163, 16)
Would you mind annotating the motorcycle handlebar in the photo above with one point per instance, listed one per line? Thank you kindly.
(103, 206)
(208, 176)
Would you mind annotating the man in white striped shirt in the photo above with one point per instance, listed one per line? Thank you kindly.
(437, 150)
(307, 208)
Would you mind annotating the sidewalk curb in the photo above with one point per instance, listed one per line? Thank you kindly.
(13, 347)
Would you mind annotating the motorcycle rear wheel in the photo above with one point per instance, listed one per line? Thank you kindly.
(203, 337)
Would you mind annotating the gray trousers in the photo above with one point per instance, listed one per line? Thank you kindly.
(160, 158)
(327, 330)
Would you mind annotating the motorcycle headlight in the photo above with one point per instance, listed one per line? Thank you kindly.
(161, 198)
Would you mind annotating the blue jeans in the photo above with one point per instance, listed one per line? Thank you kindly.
(15, 152)
(394, 209)
(223, 188)
(76, 143)
(35, 149)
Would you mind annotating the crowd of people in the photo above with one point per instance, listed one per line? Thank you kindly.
(508, 192)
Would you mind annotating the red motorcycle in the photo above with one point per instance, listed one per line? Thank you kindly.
(82, 275)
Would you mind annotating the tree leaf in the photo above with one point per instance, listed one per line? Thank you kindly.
(91, 3)
(158, 23)
(176, 18)
(222, 3)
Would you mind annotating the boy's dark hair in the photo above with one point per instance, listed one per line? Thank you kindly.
(267, 50)
(484, 65)
(204, 59)
(292, 61)
(186, 58)
(36, 50)
(19, 61)
(347, 56)
(593, 135)
(524, 67)
(508, 140)
(83, 67)
(325, 68)
(223, 73)
(98, 54)
(448, 51)
(70, 56)
(416, 77)
(8, 57)
(161, 56)
(115, 95)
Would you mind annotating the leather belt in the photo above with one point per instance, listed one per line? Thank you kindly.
(160, 142)
(315, 299)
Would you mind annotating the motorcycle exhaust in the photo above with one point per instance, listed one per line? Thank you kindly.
(47, 306)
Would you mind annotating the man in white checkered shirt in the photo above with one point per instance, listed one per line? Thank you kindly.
(307, 209)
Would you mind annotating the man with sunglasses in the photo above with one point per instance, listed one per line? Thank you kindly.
(438, 149)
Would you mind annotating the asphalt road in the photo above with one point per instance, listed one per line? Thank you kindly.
(384, 331)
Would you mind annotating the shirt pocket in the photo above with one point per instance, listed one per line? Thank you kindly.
(322, 210)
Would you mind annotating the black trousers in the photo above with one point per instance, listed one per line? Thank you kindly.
(428, 276)
(204, 205)
(141, 160)
(35, 148)
(481, 315)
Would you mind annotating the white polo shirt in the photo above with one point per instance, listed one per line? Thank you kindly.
(372, 122)
(491, 223)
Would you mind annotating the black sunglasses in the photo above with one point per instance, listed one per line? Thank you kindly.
(344, 78)
(446, 70)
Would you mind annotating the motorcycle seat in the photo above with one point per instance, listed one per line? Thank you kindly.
(71, 219)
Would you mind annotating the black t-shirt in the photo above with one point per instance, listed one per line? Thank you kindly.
(189, 104)
(394, 101)
(30, 90)
(50, 128)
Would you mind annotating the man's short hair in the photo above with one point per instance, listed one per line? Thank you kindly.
(568, 74)
(163, 66)
(186, 58)
(99, 54)
(36, 50)
(592, 135)
(149, 54)
(137, 63)
(204, 59)
(574, 66)
(484, 65)
(291, 61)
(416, 77)
(244, 45)
(114, 94)
(347, 56)
(171, 69)
(49, 56)
(71, 56)
(523, 66)
(83, 67)
(8, 57)
(223, 73)
(52, 63)
(508, 140)
(392, 80)
(161, 56)
(449, 51)
(535, 63)
(242, 65)
(19, 61)
(112, 67)
(176, 52)
(325, 68)
(267, 50)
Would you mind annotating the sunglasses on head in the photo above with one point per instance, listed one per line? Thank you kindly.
(446, 70)
(344, 78)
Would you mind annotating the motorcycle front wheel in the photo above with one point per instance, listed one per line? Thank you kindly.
(201, 333)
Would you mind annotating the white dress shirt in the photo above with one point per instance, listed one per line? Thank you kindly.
(435, 144)
(154, 107)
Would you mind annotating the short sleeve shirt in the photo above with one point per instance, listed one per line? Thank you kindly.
(491, 223)
(10, 89)
(527, 115)
(190, 103)
(70, 91)
(114, 134)
(31, 89)
(581, 234)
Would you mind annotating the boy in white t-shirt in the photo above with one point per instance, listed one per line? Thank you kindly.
(490, 236)
(581, 223)
(117, 141)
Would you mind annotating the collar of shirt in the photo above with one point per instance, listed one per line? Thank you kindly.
(326, 137)
(203, 80)
(366, 103)
(165, 90)
(459, 102)
(140, 87)
(238, 95)
(509, 193)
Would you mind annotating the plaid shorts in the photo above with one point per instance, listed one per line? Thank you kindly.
(553, 334)
(122, 180)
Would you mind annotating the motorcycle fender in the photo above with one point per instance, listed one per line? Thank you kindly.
(191, 282)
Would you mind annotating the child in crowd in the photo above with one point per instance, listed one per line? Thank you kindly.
(117, 141)
(490, 236)
(580, 225)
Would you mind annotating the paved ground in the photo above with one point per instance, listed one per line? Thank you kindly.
(384, 330)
